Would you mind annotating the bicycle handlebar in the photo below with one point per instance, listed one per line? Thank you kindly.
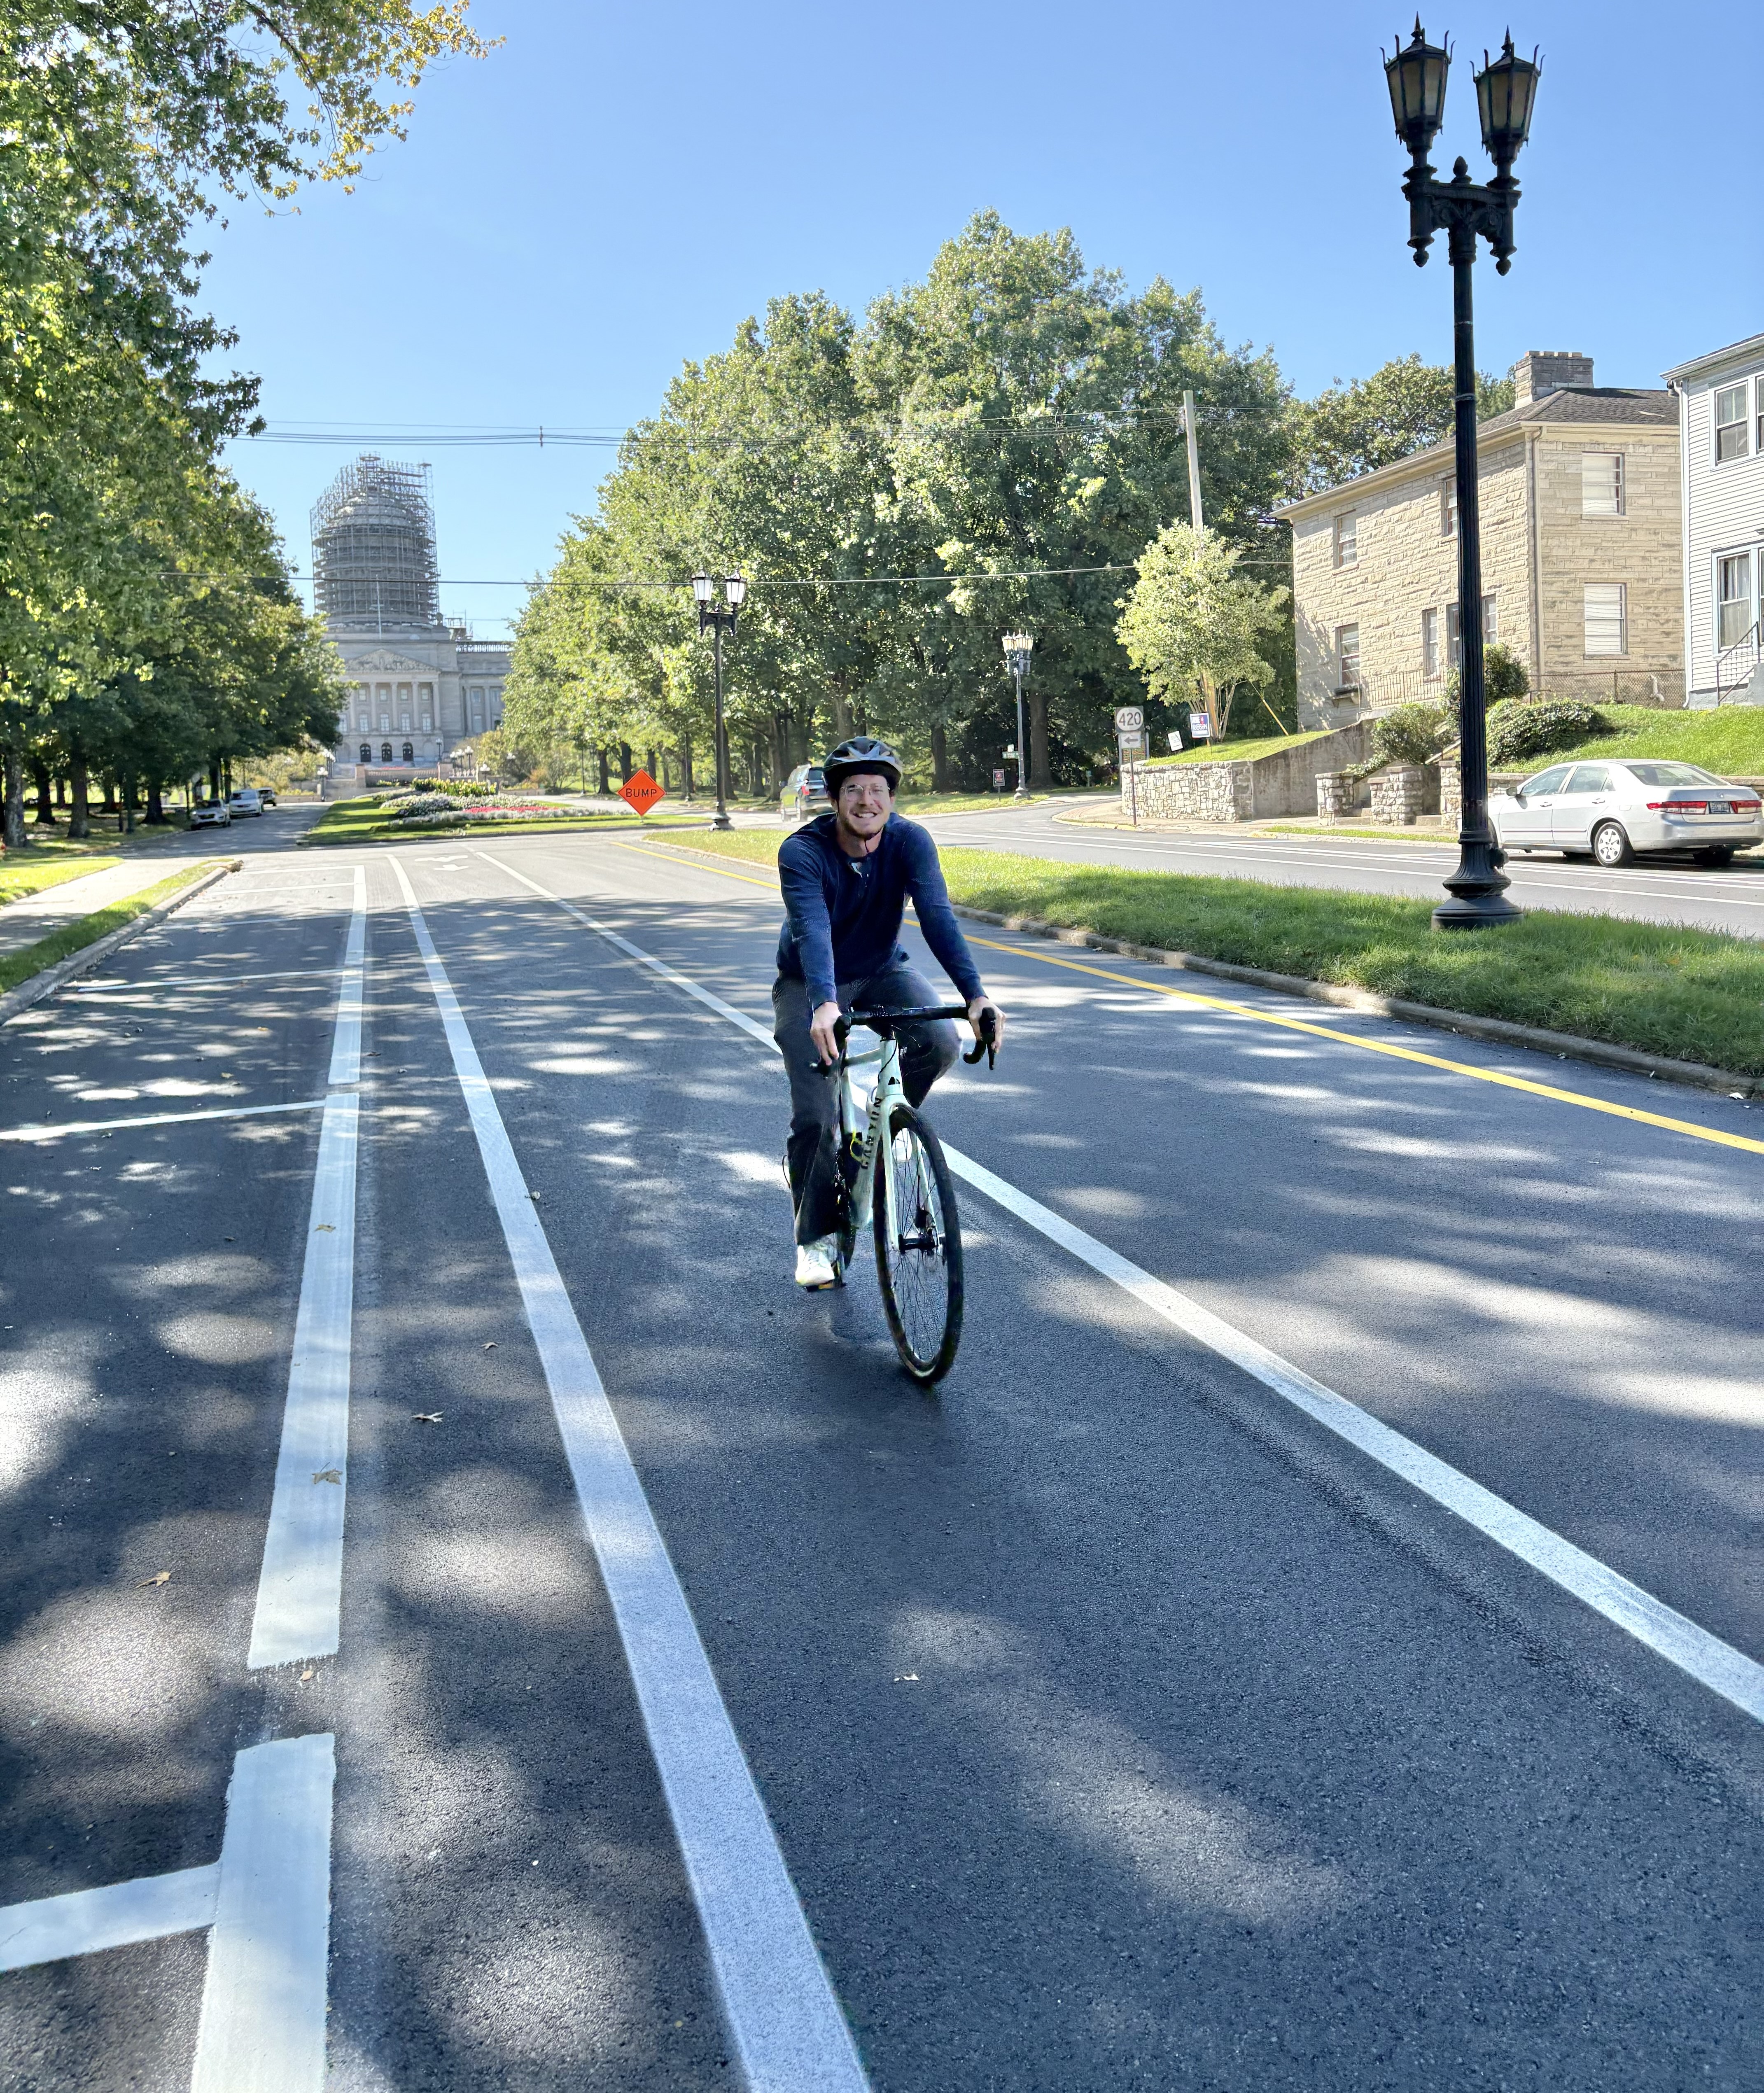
(882, 1023)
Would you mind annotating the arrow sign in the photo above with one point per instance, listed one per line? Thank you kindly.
(641, 792)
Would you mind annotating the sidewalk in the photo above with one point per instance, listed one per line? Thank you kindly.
(1115, 816)
(40, 915)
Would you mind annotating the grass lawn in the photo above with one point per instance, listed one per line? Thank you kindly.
(1729, 742)
(1237, 752)
(354, 821)
(1695, 995)
(19, 966)
(20, 874)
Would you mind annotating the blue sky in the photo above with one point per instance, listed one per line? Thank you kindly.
(614, 190)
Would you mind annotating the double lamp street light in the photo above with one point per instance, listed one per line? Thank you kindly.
(714, 619)
(1465, 210)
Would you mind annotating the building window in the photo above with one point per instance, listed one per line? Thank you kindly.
(404, 722)
(1606, 618)
(1602, 482)
(1759, 434)
(1733, 598)
(1347, 657)
(1430, 641)
(428, 722)
(410, 754)
(385, 751)
(1347, 539)
(1455, 638)
(1448, 509)
(1731, 421)
(478, 706)
(367, 753)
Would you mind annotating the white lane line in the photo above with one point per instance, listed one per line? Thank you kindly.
(262, 2026)
(83, 1921)
(1714, 1663)
(300, 1587)
(783, 2018)
(46, 1132)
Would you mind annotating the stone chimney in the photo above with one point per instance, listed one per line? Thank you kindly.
(1540, 372)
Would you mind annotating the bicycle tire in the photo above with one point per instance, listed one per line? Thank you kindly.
(921, 1270)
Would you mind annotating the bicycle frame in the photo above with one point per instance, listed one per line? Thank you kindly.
(887, 1092)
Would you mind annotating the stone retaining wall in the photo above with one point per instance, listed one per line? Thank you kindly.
(1282, 782)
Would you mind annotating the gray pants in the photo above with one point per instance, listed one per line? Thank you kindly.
(927, 1051)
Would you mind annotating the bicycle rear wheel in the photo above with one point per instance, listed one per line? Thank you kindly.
(918, 1247)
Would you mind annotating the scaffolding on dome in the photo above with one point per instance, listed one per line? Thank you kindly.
(373, 547)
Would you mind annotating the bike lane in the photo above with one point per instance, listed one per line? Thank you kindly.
(1108, 1740)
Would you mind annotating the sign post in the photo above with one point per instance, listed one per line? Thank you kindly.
(1130, 742)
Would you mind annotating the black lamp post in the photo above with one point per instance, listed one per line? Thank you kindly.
(1462, 210)
(1018, 648)
(717, 621)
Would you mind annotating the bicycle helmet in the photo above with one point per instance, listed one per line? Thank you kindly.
(855, 758)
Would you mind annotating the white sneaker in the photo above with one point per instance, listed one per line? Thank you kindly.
(817, 1264)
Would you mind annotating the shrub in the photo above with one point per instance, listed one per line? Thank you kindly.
(1411, 735)
(1504, 678)
(1518, 731)
(410, 805)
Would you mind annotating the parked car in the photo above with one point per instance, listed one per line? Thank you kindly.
(805, 795)
(266, 793)
(211, 814)
(1612, 812)
(246, 800)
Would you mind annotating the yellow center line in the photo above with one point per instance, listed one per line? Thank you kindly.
(1722, 1138)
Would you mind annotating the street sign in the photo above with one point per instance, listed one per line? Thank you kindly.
(1200, 726)
(641, 792)
(1010, 752)
(1133, 747)
(1129, 719)
(998, 781)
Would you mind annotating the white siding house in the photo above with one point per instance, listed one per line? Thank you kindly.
(1721, 448)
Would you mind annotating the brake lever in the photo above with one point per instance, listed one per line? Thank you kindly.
(986, 1041)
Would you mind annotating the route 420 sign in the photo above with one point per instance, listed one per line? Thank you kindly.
(641, 792)
(1129, 719)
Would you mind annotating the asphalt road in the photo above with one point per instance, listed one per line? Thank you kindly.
(1658, 891)
(1115, 1724)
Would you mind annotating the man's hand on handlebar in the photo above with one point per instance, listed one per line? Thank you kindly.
(821, 1024)
(989, 1029)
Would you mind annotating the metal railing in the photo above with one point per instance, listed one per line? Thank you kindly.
(1382, 690)
(1735, 665)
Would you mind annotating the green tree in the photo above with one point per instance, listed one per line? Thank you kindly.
(1404, 406)
(1192, 624)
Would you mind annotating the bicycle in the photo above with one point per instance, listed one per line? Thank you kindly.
(902, 1187)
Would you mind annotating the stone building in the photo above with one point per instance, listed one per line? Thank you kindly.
(418, 685)
(1582, 558)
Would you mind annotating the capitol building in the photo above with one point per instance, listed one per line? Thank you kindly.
(417, 686)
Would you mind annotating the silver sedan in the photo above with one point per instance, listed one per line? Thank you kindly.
(1610, 811)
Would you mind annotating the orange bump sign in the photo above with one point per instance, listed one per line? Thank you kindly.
(641, 792)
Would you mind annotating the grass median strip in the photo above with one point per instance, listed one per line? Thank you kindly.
(354, 821)
(19, 966)
(22, 875)
(1693, 995)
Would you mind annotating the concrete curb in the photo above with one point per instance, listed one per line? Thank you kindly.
(1565, 1046)
(39, 985)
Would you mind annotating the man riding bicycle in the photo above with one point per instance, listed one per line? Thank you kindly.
(847, 878)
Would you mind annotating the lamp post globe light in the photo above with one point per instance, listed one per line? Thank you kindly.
(1465, 210)
(717, 619)
(1018, 648)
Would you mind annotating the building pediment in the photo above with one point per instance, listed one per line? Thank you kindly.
(382, 661)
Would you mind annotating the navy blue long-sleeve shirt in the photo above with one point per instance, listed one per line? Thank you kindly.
(842, 914)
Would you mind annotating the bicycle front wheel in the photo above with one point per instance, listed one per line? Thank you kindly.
(918, 1247)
